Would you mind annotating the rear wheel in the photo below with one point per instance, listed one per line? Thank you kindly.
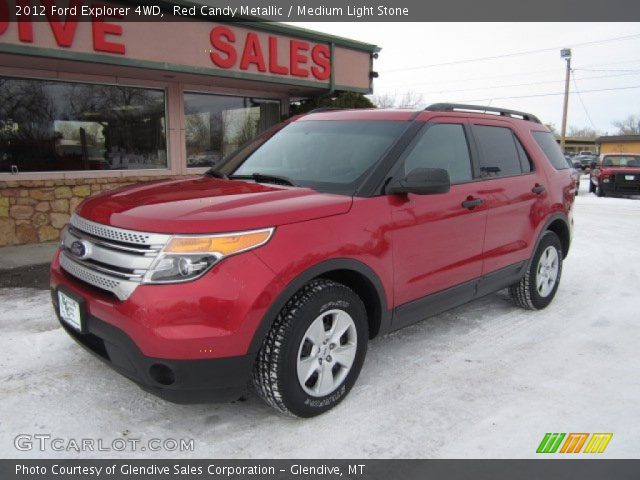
(314, 351)
(539, 285)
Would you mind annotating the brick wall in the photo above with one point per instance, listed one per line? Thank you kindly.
(33, 211)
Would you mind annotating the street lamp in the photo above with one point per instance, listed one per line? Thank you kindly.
(565, 53)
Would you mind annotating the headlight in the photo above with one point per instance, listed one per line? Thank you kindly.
(187, 257)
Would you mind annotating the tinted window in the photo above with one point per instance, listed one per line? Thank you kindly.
(442, 146)
(500, 156)
(551, 149)
(525, 162)
(325, 155)
(56, 126)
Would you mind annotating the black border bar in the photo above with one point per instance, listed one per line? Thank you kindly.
(535, 469)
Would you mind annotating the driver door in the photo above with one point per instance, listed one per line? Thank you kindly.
(437, 239)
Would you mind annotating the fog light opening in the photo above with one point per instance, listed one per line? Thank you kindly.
(162, 374)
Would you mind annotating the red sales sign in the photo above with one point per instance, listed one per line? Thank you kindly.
(304, 59)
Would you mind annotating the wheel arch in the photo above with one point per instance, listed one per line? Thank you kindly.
(356, 275)
(558, 224)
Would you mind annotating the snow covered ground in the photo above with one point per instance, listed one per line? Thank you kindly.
(485, 380)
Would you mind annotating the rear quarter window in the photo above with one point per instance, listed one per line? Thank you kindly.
(547, 142)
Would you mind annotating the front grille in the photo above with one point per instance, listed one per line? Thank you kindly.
(622, 185)
(112, 233)
(116, 259)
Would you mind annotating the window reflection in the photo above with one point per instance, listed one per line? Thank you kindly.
(216, 125)
(61, 126)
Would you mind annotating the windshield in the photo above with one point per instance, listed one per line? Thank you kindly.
(621, 161)
(326, 155)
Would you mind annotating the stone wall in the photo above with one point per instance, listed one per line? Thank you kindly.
(33, 211)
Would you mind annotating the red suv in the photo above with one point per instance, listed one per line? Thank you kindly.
(616, 174)
(326, 231)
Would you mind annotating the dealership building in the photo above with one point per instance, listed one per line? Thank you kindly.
(86, 106)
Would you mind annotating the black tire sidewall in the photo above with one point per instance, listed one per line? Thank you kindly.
(294, 397)
(549, 239)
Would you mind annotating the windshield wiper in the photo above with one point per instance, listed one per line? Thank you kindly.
(216, 174)
(266, 178)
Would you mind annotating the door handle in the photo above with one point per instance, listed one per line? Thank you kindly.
(472, 203)
(538, 189)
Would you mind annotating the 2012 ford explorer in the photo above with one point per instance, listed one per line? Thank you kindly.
(277, 268)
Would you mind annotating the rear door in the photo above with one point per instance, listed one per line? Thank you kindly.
(514, 193)
(437, 239)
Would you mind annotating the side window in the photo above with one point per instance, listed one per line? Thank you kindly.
(551, 149)
(500, 156)
(445, 146)
(525, 161)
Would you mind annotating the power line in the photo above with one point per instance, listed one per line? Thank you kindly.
(522, 84)
(513, 54)
(519, 74)
(552, 94)
(607, 70)
(575, 84)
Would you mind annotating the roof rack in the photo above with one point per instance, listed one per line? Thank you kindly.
(451, 107)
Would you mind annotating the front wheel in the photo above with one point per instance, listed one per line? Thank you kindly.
(314, 351)
(539, 285)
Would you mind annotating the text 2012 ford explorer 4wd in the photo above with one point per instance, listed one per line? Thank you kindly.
(324, 232)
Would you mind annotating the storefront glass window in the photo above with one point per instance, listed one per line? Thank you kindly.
(63, 126)
(218, 124)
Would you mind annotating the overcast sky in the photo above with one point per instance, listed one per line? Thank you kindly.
(599, 62)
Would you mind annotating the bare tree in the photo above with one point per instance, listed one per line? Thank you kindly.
(408, 99)
(411, 99)
(628, 126)
(386, 100)
(584, 132)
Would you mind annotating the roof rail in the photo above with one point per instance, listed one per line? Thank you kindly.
(451, 107)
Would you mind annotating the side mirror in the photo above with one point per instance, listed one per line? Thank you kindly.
(421, 181)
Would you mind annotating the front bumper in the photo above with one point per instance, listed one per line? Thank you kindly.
(621, 187)
(214, 316)
(187, 342)
(179, 381)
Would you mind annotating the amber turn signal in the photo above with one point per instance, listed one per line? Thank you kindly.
(222, 245)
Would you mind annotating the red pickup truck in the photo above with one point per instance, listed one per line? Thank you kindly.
(333, 228)
(616, 174)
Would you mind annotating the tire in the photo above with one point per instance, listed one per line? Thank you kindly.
(534, 292)
(289, 352)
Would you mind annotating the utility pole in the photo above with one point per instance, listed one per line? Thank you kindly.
(566, 54)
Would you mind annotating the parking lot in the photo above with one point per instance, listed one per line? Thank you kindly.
(486, 380)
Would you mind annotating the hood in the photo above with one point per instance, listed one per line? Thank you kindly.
(209, 205)
(610, 169)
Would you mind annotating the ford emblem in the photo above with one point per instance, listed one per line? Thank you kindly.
(80, 249)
